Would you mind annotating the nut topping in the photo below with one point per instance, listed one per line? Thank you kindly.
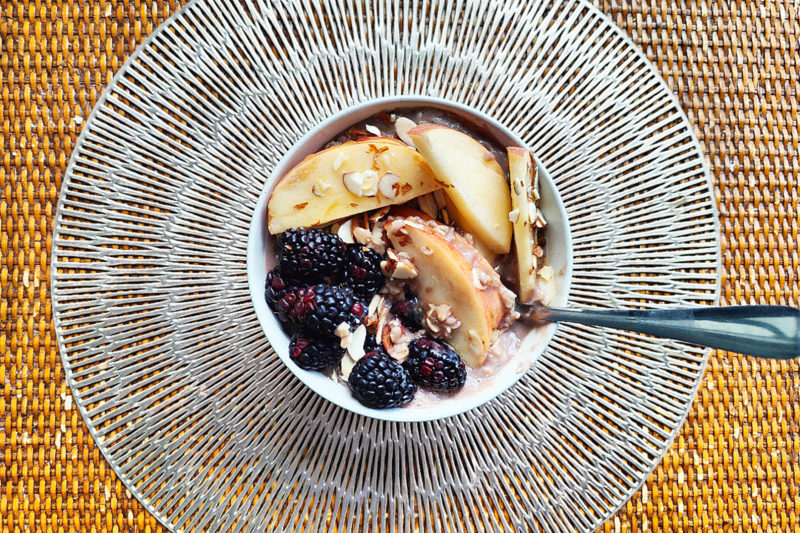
(475, 342)
(481, 279)
(339, 161)
(361, 183)
(518, 187)
(389, 185)
(439, 320)
(319, 188)
(345, 231)
(513, 215)
(401, 127)
(343, 332)
(356, 348)
(428, 205)
(398, 265)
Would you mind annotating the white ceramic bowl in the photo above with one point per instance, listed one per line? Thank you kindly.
(261, 244)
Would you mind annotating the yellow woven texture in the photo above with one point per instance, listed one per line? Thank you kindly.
(734, 67)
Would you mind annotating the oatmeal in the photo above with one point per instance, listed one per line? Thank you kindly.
(402, 248)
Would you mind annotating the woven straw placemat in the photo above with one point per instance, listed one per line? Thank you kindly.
(734, 66)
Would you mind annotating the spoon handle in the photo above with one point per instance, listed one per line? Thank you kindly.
(760, 330)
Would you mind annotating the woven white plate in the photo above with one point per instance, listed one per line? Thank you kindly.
(168, 364)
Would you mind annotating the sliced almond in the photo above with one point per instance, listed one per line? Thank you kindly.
(361, 183)
(352, 182)
(383, 316)
(345, 231)
(356, 348)
(369, 187)
(388, 185)
(540, 221)
(513, 215)
(320, 188)
(428, 205)
(475, 342)
(380, 214)
(373, 130)
(440, 198)
(347, 366)
(401, 127)
(373, 304)
(339, 161)
(532, 212)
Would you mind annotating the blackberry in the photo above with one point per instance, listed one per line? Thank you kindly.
(322, 308)
(434, 365)
(312, 352)
(311, 255)
(410, 312)
(362, 271)
(277, 286)
(371, 344)
(379, 382)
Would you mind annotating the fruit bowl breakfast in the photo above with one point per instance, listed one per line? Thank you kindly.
(387, 252)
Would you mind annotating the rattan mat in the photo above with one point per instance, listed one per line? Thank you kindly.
(734, 66)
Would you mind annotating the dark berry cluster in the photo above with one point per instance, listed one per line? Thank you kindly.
(435, 366)
(362, 271)
(321, 283)
(322, 308)
(311, 255)
(378, 381)
(277, 287)
(312, 352)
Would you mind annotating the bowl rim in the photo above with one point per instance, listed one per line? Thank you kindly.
(321, 133)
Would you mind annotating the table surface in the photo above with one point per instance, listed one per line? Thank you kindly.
(735, 465)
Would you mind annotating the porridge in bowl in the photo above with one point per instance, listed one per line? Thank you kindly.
(399, 251)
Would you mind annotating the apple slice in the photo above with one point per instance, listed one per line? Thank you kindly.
(347, 179)
(477, 187)
(523, 215)
(451, 271)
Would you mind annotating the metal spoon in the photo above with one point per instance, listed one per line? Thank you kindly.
(760, 330)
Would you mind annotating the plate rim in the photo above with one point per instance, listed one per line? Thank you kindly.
(168, 22)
